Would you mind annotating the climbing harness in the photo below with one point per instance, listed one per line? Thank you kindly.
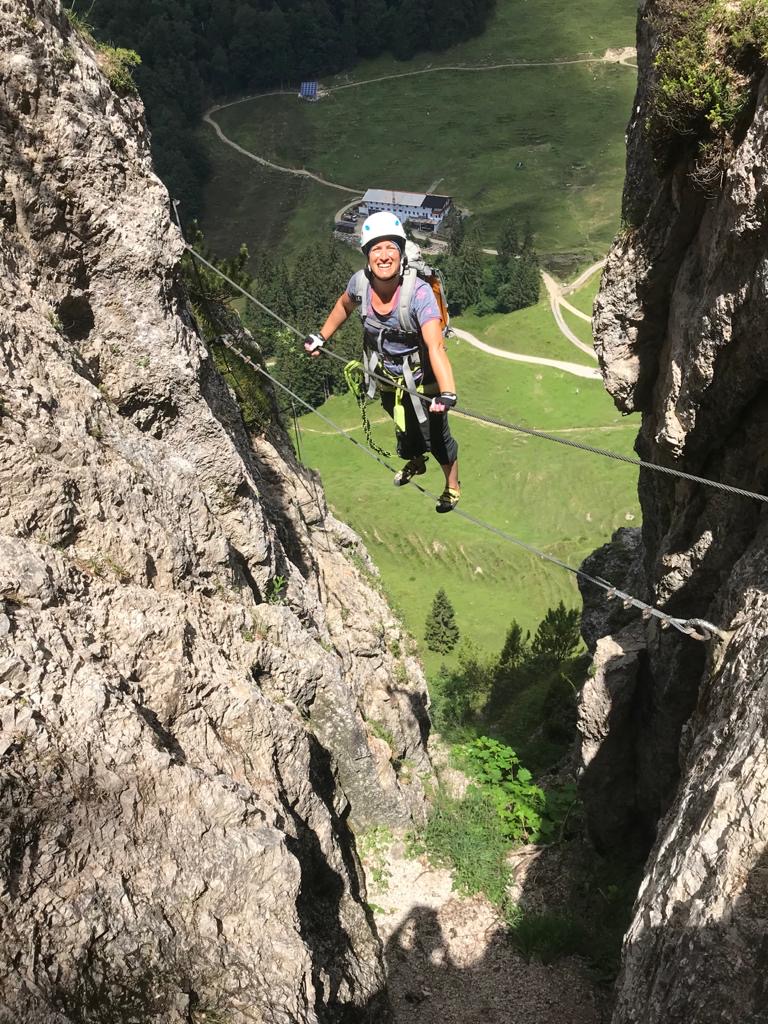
(516, 427)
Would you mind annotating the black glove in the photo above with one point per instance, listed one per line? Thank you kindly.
(446, 400)
(313, 343)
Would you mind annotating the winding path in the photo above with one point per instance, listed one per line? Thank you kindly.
(555, 292)
(576, 369)
(298, 172)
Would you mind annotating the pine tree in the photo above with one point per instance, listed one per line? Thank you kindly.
(509, 672)
(508, 245)
(558, 634)
(465, 275)
(440, 630)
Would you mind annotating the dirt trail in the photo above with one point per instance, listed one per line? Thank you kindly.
(297, 172)
(555, 292)
(448, 961)
(575, 368)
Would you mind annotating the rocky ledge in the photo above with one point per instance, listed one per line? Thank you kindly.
(674, 730)
(193, 660)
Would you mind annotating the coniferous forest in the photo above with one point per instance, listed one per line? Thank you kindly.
(193, 51)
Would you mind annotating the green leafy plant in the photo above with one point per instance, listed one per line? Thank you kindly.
(275, 591)
(373, 846)
(116, 63)
(518, 801)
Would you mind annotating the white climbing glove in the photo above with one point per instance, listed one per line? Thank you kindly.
(313, 343)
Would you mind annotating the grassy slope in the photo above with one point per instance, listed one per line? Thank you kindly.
(565, 124)
(529, 332)
(584, 298)
(530, 30)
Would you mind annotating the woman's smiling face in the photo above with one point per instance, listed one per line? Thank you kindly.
(384, 260)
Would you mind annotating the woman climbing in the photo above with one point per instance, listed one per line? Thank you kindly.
(403, 342)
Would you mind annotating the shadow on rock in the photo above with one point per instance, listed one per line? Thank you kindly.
(493, 984)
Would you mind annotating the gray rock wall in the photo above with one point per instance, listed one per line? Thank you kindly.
(675, 731)
(180, 758)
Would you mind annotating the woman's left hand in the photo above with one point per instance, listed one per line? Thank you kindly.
(443, 402)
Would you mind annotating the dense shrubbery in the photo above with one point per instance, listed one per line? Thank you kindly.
(502, 808)
(195, 49)
(479, 692)
(710, 59)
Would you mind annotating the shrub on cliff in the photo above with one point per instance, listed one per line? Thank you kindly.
(710, 58)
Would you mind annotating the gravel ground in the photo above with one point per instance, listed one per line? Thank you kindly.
(448, 961)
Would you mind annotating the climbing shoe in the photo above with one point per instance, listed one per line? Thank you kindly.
(415, 467)
(448, 500)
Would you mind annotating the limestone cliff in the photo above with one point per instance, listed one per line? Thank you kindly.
(674, 731)
(188, 654)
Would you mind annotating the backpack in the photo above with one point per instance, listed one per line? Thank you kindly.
(415, 269)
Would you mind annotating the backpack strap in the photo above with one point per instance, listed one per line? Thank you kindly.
(361, 287)
(407, 288)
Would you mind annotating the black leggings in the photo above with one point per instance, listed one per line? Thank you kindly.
(419, 438)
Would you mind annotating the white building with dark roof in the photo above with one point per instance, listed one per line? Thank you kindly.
(418, 207)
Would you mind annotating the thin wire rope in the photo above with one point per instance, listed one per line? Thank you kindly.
(504, 424)
(684, 626)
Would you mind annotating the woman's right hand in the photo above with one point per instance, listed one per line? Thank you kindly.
(313, 343)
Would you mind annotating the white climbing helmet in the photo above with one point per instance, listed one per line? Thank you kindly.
(380, 226)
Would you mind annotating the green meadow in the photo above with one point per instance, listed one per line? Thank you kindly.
(528, 30)
(549, 151)
(584, 298)
(543, 145)
(530, 332)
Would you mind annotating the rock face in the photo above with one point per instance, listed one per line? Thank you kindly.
(680, 726)
(191, 665)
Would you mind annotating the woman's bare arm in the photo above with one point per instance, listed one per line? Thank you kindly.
(438, 357)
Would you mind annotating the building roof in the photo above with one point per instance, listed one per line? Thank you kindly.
(382, 195)
(436, 202)
(418, 199)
